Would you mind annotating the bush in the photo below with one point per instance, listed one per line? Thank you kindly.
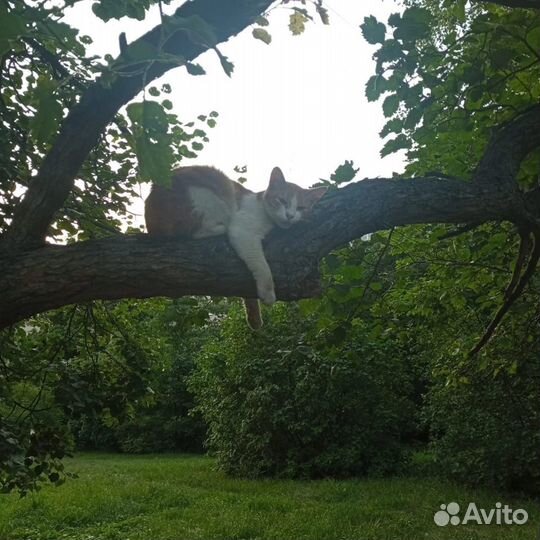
(487, 428)
(278, 403)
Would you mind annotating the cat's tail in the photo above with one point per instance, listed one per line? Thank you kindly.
(253, 313)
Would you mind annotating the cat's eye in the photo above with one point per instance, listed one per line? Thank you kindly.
(282, 201)
(301, 208)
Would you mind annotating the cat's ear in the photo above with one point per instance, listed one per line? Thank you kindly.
(316, 193)
(277, 179)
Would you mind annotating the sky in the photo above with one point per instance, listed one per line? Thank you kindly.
(298, 103)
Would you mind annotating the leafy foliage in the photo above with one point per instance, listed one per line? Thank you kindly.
(43, 70)
(335, 386)
(450, 73)
(97, 376)
(284, 403)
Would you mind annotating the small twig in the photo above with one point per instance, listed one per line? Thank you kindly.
(372, 275)
(524, 247)
(122, 42)
(515, 287)
(87, 219)
(60, 71)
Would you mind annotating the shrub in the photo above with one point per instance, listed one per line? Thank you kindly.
(279, 403)
(487, 428)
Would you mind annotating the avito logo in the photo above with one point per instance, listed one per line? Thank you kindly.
(500, 515)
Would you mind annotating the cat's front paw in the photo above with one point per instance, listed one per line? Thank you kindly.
(267, 293)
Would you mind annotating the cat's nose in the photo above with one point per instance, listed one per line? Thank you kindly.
(290, 215)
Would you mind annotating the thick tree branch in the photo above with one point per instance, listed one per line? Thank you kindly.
(516, 286)
(528, 4)
(98, 105)
(43, 278)
(138, 266)
(508, 147)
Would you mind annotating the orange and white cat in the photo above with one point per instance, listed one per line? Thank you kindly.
(203, 202)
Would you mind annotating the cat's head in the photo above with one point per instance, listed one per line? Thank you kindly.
(287, 203)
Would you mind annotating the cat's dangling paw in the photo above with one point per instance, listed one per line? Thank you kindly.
(266, 293)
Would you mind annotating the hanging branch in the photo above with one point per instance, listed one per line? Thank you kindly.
(530, 241)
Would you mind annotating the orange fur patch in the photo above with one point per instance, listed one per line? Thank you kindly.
(169, 212)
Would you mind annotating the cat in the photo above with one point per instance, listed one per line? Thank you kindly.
(202, 202)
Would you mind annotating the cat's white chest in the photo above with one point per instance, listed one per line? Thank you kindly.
(251, 216)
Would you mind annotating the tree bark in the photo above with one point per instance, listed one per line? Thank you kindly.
(527, 4)
(140, 266)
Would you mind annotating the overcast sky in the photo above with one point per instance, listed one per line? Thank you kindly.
(298, 103)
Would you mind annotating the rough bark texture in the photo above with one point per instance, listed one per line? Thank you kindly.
(138, 266)
(528, 4)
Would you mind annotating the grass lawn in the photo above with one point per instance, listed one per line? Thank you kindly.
(118, 497)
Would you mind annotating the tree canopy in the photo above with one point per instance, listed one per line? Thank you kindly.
(64, 134)
(451, 246)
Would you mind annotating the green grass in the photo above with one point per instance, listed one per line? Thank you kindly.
(120, 497)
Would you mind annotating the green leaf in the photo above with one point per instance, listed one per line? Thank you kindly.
(472, 74)
(413, 118)
(297, 23)
(262, 34)
(375, 286)
(113, 9)
(11, 27)
(394, 20)
(533, 38)
(226, 64)
(141, 51)
(391, 50)
(395, 125)
(373, 30)
(459, 10)
(391, 105)
(195, 69)
(323, 14)
(49, 111)
(501, 57)
(151, 141)
(375, 86)
(344, 173)
(54, 477)
(415, 24)
(262, 21)
(393, 145)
